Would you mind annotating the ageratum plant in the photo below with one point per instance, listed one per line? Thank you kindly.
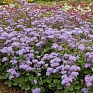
(46, 50)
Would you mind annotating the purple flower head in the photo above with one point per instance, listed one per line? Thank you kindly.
(85, 90)
(13, 62)
(35, 61)
(46, 65)
(87, 65)
(67, 67)
(66, 81)
(74, 74)
(72, 58)
(55, 46)
(11, 77)
(64, 76)
(15, 44)
(54, 64)
(41, 62)
(35, 81)
(38, 74)
(63, 72)
(4, 59)
(81, 47)
(74, 68)
(89, 80)
(36, 90)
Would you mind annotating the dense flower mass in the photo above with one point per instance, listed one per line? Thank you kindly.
(49, 46)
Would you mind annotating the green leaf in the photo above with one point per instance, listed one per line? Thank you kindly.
(20, 57)
(56, 81)
(30, 77)
(1, 77)
(43, 90)
(1, 1)
(27, 87)
(27, 74)
(46, 50)
(0, 91)
(40, 83)
(27, 79)
(15, 83)
(6, 76)
(43, 67)
(22, 80)
(57, 91)
(9, 83)
(77, 87)
(49, 80)
(52, 85)
(60, 87)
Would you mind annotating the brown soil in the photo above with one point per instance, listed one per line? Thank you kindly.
(5, 89)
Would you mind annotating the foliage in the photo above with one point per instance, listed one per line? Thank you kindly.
(47, 49)
(1, 1)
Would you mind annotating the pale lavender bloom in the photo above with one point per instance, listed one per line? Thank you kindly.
(28, 62)
(4, 34)
(24, 66)
(20, 52)
(36, 90)
(37, 52)
(72, 58)
(89, 84)
(73, 75)
(11, 77)
(50, 36)
(17, 75)
(35, 81)
(37, 65)
(58, 68)
(64, 76)
(74, 68)
(89, 80)
(85, 90)
(48, 73)
(39, 43)
(49, 69)
(4, 59)
(63, 72)
(54, 70)
(29, 69)
(7, 41)
(87, 65)
(13, 62)
(13, 73)
(66, 81)
(41, 62)
(67, 67)
(15, 44)
(89, 48)
(55, 46)
(38, 74)
(35, 61)
(81, 47)
(46, 65)
(54, 64)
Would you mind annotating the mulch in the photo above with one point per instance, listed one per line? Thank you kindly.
(5, 89)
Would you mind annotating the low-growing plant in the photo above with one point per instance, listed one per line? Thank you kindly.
(1, 2)
(46, 49)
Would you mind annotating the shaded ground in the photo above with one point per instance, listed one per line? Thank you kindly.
(5, 89)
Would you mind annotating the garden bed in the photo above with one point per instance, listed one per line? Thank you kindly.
(5, 89)
(47, 49)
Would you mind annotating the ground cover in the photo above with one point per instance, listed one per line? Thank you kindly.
(47, 49)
